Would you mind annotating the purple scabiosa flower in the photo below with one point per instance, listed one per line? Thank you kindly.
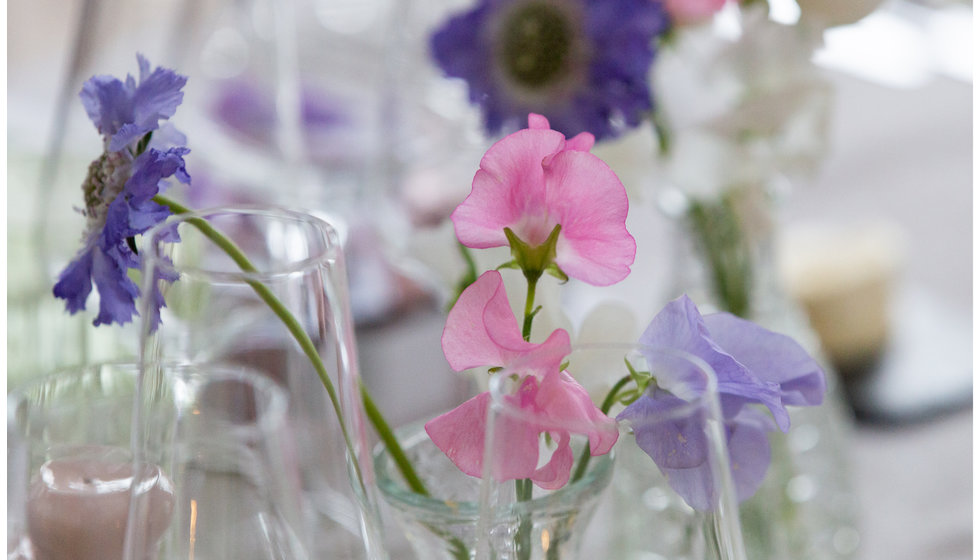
(753, 366)
(120, 187)
(583, 64)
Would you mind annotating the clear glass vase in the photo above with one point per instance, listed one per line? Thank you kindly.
(267, 288)
(608, 508)
(724, 260)
(656, 509)
(114, 461)
(446, 524)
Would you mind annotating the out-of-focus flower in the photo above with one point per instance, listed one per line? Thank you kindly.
(752, 366)
(686, 12)
(582, 63)
(533, 181)
(123, 112)
(120, 186)
(481, 330)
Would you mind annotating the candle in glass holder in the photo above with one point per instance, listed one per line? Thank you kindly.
(77, 508)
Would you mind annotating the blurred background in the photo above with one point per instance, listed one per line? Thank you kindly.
(334, 106)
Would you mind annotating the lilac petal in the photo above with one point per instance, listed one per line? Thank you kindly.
(107, 102)
(151, 168)
(680, 326)
(771, 357)
(158, 95)
(696, 485)
(155, 98)
(672, 441)
(748, 447)
(117, 293)
(75, 281)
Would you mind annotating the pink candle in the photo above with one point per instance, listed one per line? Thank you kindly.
(77, 508)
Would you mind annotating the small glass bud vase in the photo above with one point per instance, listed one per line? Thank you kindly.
(267, 287)
(447, 523)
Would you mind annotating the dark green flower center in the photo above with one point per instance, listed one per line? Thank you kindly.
(536, 44)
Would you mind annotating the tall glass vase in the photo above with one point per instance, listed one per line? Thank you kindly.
(267, 287)
(724, 261)
(748, 115)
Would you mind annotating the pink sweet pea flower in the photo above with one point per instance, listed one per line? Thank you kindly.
(481, 330)
(684, 12)
(535, 179)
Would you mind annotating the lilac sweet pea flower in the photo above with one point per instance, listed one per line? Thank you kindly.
(582, 63)
(753, 366)
(120, 186)
(481, 330)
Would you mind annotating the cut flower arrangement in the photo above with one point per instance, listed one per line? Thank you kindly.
(562, 211)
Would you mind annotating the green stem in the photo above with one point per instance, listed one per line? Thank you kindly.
(387, 436)
(720, 236)
(523, 487)
(524, 490)
(583, 461)
(532, 285)
(305, 343)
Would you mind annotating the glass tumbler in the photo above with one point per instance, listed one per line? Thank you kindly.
(179, 461)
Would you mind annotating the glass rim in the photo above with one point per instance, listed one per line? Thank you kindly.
(500, 382)
(273, 409)
(401, 497)
(332, 244)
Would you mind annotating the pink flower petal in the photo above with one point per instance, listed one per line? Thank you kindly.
(460, 434)
(481, 330)
(533, 180)
(466, 340)
(508, 188)
(568, 404)
(556, 472)
(590, 203)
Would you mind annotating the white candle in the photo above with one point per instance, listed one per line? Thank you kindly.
(77, 508)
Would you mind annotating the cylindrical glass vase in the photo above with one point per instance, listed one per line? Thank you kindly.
(114, 461)
(724, 260)
(267, 287)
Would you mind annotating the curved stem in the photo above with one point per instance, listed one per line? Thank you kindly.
(583, 461)
(387, 436)
(306, 344)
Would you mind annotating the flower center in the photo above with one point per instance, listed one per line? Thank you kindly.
(536, 44)
(107, 176)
